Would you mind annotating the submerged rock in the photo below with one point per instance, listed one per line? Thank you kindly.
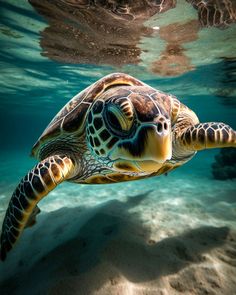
(225, 165)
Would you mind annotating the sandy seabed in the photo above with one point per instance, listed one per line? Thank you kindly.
(162, 236)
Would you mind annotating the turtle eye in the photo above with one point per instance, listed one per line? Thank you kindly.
(117, 119)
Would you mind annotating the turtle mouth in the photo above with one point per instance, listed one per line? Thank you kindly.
(152, 146)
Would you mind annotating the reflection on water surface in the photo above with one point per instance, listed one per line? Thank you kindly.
(110, 32)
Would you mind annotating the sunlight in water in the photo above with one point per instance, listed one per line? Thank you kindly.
(162, 235)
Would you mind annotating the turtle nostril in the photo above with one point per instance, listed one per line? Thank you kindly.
(159, 127)
(165, 126)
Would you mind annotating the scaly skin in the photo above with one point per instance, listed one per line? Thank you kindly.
(207, 136)
(43, 178)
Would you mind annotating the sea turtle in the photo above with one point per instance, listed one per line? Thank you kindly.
(115, 130)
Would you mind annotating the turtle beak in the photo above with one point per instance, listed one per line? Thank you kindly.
(159, 144)
(158, 149)
(152, 143)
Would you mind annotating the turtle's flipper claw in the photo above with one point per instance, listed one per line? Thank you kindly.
(32, 219)
(22, 208)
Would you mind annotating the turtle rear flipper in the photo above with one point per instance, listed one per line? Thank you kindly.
(208, 135)
(22, 208)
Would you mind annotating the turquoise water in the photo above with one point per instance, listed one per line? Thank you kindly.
(130, 238)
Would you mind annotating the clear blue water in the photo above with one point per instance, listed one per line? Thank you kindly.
(135, 215)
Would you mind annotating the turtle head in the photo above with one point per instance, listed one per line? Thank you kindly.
(130, 129)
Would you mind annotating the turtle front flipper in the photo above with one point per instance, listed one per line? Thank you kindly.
(22, 209)
(208, 135)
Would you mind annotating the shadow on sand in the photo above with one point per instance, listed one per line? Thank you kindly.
(77, 250)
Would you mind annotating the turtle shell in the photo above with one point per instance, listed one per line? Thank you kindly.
(71, 117)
